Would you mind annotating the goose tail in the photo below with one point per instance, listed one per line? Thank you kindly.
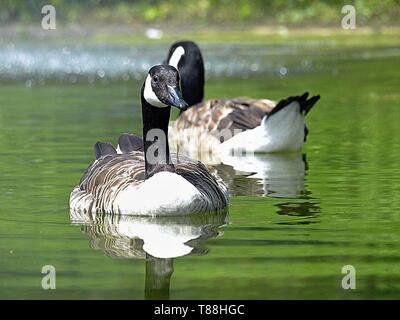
(305, 103)
(103, 148)
(128, 143)
(285, 123)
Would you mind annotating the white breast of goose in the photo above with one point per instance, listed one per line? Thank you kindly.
(164, 193)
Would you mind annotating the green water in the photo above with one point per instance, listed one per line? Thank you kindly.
(344, 210)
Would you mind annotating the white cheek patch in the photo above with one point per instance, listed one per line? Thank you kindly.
(176, 57)
(150, 96)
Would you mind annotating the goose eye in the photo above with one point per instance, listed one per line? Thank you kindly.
(155, 79)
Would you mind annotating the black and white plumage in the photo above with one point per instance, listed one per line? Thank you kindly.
(183, 56)
(141, 182)
(255, 125)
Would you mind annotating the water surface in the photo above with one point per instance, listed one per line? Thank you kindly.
(294, 220)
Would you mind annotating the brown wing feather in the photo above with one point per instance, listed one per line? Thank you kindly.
(237, 113)
(111, 174)
(105, 178)
(210, 185)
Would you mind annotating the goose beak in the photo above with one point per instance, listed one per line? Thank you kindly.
(175, 98)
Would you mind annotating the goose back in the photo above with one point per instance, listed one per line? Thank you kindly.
(112, 174)
(218, 114)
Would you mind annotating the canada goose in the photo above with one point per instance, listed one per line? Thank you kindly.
(146, 179)
(234, 124)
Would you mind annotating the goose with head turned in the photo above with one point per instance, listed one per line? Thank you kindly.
(145, 179)
(239, 123)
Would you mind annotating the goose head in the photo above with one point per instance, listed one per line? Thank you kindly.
(160, 91)
(161, 88)
(186, 57)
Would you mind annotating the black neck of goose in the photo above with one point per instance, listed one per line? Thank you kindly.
(192, 82)
(155, 122)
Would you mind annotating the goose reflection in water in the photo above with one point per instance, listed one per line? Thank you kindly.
(157, 240)
(272, 175)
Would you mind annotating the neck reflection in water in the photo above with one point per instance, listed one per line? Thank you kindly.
(157, 240)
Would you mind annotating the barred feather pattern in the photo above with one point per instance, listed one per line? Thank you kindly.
(112, 174)
(198, 128)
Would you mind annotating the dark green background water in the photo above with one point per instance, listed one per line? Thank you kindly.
(346, 212)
